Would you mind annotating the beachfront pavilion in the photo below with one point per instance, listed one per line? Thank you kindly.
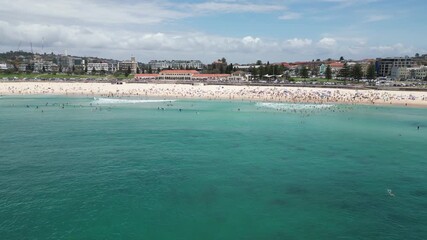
(177, 74)
(184, 75)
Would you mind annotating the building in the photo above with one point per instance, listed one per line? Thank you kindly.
(322, 69)
(399, 73)
(23, 67)
(188, 75)
(417, 73)
(97, 67)
(385, 65)
(76, 62)
(44, 66)
(3, 66)
(175, 64)
(129, 64)
(147, 76)
(413, 73)
(238, 76)
(246, 68)
(164, 64)
(336, 66)
(177, 74)
(219, 66)
(112, 67)
(210, 77)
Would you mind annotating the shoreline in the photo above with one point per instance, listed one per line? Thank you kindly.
(222, 92)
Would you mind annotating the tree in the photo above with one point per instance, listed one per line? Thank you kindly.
(93, 71)
(356, 72)
(371, 72)
(221, 68)
(277, 70)
(150, 70)
(117, 73)
(314, 71)
(224, 61)
(341, 58)
(74, 69)
(261, 72)
(304, 72)
(258, 62)
(128, 71)
(28, 68)
(43, 69)
(254, 72)
(328, 72)
(417, 55)
(344, 72)
(229, 68)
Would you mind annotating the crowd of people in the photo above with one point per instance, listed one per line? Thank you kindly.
(251, 93)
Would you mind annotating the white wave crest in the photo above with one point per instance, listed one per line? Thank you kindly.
(126, 101)
(293, 106)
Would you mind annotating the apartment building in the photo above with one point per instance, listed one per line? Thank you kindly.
(384, 66)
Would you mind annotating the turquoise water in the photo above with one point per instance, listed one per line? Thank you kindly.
(79, 168)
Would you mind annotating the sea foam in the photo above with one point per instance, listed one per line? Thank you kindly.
(126, 101)
(293, 106)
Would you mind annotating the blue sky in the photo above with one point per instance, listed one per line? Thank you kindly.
(242, 31)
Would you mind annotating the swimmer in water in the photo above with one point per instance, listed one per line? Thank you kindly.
(390, 193)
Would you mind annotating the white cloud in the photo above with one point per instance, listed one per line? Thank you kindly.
(60, 37)
(327, 42)
(251, 42)
(91, 12)
(118, 29)
(297, 43)
(393, 50)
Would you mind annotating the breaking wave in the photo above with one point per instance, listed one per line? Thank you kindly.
(126, 101)
(293, 106)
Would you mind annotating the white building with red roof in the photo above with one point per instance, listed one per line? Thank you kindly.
(177, 74)
(192, 75)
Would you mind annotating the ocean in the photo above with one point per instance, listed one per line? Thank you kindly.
(97, 168)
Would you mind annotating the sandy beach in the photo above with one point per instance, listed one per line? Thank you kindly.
(250, 93)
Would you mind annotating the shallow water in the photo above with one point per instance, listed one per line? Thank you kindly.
(84, 168)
